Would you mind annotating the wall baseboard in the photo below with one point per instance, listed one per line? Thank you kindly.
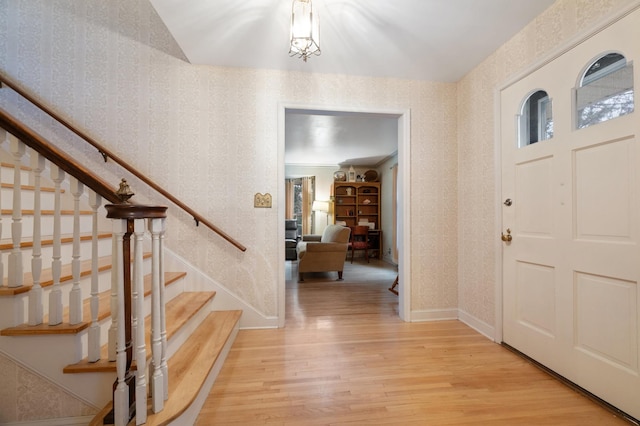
(63, 421)
(454, 314)
(478, 325)
(434, 315)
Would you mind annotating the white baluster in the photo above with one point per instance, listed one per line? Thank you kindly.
(75, 295)
(35, 295)
(163, 318)
(121, 394)
(157, 380)
(15, 277)
(113, 328)
(55, 296)
(138, 322)
(94, 329)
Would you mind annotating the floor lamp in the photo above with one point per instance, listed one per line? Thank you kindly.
(321, 206)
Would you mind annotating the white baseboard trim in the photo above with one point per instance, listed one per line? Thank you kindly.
(454, 314)
(480, 326)
(434, 315)
(63, 421)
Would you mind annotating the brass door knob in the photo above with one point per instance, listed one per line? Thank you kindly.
(507, 237)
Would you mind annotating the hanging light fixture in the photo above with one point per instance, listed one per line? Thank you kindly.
(305, 30)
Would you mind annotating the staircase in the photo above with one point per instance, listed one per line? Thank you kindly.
(56, 244)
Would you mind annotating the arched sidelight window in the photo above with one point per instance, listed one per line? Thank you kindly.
(536, 119)
(605, 91)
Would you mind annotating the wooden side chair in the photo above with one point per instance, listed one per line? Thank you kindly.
(393, 288)
(359, 241)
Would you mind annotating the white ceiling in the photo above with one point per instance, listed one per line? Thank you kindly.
(346, 139)
(434, 40)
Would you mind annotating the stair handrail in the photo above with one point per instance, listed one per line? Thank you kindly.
(39, 144)
(106, 154)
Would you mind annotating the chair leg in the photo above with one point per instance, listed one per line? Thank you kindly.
(339, 275)
(300, 279)
(395, 284)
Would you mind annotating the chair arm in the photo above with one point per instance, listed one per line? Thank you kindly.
(326, 247)
(310, 237)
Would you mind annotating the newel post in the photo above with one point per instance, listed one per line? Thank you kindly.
(126, 222)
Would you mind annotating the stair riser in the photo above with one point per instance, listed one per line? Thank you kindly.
(6, 176)
(21, 302)
(27, 201)
(66, 252)
(19, 312)
(66, 225)
(171, 291)
(185, 331)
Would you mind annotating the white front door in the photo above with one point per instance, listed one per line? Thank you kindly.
(571, 270)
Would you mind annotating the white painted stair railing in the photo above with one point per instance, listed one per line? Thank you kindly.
(48, 163)
(127, 333)
(131, 220)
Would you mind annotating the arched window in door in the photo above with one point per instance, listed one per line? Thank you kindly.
(535, 119)
(605, 91)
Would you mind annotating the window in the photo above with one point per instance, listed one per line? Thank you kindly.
(536, 119)
(605, 91)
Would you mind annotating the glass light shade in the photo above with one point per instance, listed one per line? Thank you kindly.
(305, 30)
(320, 206)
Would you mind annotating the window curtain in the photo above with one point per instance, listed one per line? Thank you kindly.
(394, 236)
(308, 186)
(289, 200)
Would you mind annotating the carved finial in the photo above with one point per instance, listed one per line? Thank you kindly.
(124, 192)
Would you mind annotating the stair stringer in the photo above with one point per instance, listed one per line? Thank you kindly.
(225, 298)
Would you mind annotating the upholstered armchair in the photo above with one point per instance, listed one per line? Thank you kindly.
(291, 239)
(324, 253)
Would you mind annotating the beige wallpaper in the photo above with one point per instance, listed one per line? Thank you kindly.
(25, 396)
(476, 162)
(209, 135)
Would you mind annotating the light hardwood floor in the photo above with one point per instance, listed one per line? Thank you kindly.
(345, 358)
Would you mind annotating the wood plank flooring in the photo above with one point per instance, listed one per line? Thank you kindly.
(345, 358)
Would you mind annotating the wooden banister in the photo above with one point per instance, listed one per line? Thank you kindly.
(39, 144)
(107, 154)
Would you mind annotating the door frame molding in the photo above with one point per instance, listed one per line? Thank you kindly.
(404, 200)
(576, 40)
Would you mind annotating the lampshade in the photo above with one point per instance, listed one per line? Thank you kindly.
(320, 206)
(305, 30)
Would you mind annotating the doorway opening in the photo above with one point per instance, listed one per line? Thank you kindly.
(394, 224)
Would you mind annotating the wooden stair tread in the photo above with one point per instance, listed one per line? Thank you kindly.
(67, 239)
(30, 212)
(12, 166)
(46, 277)
(104, 312)
(30, 187)
(105, 297)
(190, 366)
(178, 311)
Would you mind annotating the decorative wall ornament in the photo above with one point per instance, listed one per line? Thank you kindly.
(262, 200)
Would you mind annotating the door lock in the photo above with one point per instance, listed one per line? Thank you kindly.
(507, 238)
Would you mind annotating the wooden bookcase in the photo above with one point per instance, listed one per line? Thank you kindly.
(357, 201)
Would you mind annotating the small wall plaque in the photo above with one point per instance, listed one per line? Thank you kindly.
(262, 200)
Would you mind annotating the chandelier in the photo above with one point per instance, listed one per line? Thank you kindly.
(305, 30)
